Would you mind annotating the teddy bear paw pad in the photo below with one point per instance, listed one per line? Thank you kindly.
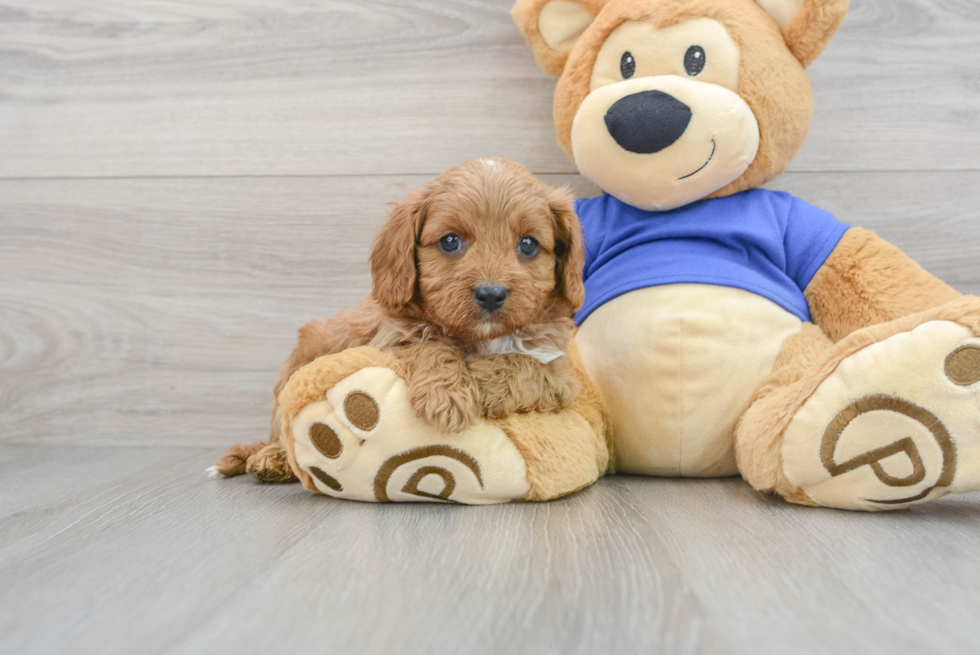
(364, 442)
(900, 423)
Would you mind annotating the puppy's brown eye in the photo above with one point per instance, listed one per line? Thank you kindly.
(528, 246)
(450, 244)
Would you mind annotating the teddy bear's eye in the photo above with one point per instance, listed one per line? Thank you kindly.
(627, 65)
(695, 60)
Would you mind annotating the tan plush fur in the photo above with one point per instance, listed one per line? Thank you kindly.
(756, 446)
(423, 310)
(810, 30)
(525, 14)
(867, 281)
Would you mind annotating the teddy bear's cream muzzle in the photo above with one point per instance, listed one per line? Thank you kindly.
(662, 142)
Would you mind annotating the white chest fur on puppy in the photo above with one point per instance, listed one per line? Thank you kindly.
(678, 365)
(515, 344)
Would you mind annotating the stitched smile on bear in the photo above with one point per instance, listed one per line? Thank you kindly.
(663, 124)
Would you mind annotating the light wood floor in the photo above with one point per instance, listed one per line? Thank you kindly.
(183, 184)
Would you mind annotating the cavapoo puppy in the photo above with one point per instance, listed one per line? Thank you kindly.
(475, 280)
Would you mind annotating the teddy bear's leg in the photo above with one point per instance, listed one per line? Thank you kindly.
(757, 444)
(349, 430)
(886, 418)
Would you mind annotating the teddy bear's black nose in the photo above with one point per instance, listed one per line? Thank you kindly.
(490, 298)
(648, 121)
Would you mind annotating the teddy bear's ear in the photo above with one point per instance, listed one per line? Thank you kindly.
(551, 27)
(807, 24)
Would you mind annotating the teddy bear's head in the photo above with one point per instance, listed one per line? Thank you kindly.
(664, 102)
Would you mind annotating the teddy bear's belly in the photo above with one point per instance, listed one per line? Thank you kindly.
(677, 366)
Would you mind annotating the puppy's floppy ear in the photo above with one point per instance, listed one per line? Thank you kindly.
(393, 266)
(551, 27)
(569, 253)
(807, 25)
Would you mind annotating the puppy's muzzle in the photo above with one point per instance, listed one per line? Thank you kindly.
(490, 298)
(648, 121)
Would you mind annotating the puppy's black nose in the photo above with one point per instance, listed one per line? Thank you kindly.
(648, 121)
(490, 299)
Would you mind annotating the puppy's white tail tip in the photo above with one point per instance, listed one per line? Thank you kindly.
(212, 472)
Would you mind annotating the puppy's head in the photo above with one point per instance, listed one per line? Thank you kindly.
(482, 251)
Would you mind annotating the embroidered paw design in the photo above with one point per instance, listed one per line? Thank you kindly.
(362, 413)
(963, 365)
(364, 442)
(899, 419)
(906, 447)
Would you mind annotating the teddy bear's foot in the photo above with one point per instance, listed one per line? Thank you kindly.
(364, 442)
(894, 423)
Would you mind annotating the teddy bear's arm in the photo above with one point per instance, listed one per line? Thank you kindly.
(867, 281)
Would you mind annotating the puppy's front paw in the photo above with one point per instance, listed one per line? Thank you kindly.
(557, 394)
(441, 389)
(500, 402)
(449, 409)
(519, 384)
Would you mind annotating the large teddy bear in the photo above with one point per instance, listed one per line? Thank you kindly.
(730, 329)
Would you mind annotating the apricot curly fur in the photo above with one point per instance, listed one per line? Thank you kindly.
(518, 384)
(270, 465)
(233, 462)
(441, 387)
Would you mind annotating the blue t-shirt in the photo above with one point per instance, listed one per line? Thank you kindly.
(766, 242)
